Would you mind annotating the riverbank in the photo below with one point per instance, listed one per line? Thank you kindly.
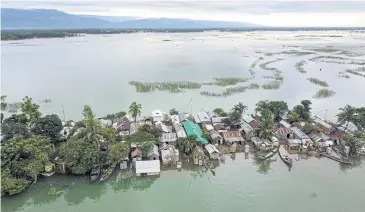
(242, 183)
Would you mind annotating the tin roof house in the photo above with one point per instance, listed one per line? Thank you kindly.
(193, 129)
(202, 117)
(157, 115)
(153, 153)
(179, 130)
(232, 136)
(168, 138)
(215, 137)
(213, 151)
(148, 167)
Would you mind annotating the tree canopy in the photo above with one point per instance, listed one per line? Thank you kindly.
(49, 125)
(220, 112)
(135, 110)
(277, 108)
(30, 109)
(118, 152)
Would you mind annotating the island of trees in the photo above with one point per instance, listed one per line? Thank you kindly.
(30, 140)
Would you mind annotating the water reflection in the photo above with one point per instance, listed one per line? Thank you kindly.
(81, 189)
(263, 166)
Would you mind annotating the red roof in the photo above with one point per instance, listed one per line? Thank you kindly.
(255, 124)
(136, 152)
(284, 131)
(340, 134)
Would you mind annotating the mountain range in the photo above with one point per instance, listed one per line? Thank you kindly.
(55, 19)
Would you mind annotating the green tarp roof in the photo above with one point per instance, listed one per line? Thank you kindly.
(193, 129)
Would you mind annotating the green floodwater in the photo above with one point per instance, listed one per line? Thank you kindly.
(242, 184)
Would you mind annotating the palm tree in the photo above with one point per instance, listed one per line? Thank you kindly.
(346, 115)
(135, 110)
(240, 107)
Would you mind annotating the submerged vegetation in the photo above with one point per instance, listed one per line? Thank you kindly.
(324, 93)
(225, 81)
(355, 72)
(273, 85)
(291, 52)
(299, 66)
(172, 87)
(231, 91)
(253, 65)
(318, 82)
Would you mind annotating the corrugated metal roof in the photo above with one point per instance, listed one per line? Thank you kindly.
(218, 119)
(294, 141)
(147, 166)
(168, 137)
(284, 131)
(153, 150)
(299, 133)
(211, 148)
(232, 136)
(247, 118)
(193, 129)
(322, 122)
(179, 130)
(285, 123)
(201, 117)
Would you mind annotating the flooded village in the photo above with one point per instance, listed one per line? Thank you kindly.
(207, 138)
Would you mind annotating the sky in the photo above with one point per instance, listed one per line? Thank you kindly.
(284, 13)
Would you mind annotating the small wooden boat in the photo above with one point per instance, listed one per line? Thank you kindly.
(269, 155)
(95, 173)
(107, 172)
(284, 155)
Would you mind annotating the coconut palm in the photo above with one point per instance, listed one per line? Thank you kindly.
(135, 110)
(240, 107)
(346, 115)
(92, 133)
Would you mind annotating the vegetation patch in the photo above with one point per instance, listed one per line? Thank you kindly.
(234, 90)
(172, 87)
(206, 93)
(225, 81)
(338, 60)
(264, 65)
(299, 66)
(291, 52)
(351, 71)
(324, 93)
(318, 82)
(253, 65)
(273, 85)
(253, 86)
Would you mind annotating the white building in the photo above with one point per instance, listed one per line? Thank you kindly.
(148, 167)
(157, 115)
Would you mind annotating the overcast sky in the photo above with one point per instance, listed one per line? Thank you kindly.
(269, 12)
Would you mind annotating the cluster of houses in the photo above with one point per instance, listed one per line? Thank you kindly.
(210, 133)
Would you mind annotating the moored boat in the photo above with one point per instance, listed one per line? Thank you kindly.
(284, 155)
(95, 173)
(107, 172)
(270, 154)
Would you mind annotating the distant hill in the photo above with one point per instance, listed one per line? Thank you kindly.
(54, 19)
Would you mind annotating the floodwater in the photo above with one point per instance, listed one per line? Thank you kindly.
(96, 69)
(319, 185)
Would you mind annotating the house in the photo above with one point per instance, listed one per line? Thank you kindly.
(198, 155)
(211, 114)
(215, 137)
(285, 124)
(179, 130)
(202, 117)
(174, 119)
(137, 153)
(168, 138)
(232, 136)
(247, 118)
(325, 127)
(208, 127)
(153, 153)
(266, 145)
(294, 143)
(193, 129)
(123, 125)
(213, 151)
(256, 125)
(169, 155)
(233, 148)
(218, 119)
(283, 133)
(256, 141)
(148, 167)
(248, 130)
(298, 125)
(299, 134)
(162, 127)
(338, 137)
(157, 115)
(183, 116)
(219, 127)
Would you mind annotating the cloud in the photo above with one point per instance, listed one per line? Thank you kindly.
(269, 12)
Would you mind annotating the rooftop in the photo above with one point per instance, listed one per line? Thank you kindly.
(284, 131)
(285, 123)
(147, 166)
(211, 148)
(299, 133)
(201, 117)
(193, 129)
(255, 124)
(322, 122)
(157, 113)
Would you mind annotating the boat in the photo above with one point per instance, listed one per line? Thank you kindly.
(107, 172)
(95, 173)
(269, 155)
(284, 155)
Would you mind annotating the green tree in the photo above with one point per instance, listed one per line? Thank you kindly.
(49, 125)
(354, 144)
(359, 119)
(80, 156)
(293, 116)
(118, 152)
(240, 108)
(186, 144)
(92, 133)
(121, 114)
(22, 160)
(346, 115)
(267, 119)
(142, 139)
(220, 112)
(16, 124)
(262, 105)
(306, 104)
(30, 109)
(108, 134)
(173, 112)
(112, 118)
(3, 107)
(278, 108)
(135, 110)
